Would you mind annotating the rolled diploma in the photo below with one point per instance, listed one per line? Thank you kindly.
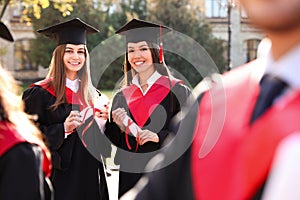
(134, 128)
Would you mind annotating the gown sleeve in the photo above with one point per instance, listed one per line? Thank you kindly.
(180, 94)
(37, 102)
(112, 131)
(21, 175)
(94, 139)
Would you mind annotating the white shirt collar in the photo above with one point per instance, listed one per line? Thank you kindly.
(287, 68)
(151, 80)
(73, 84)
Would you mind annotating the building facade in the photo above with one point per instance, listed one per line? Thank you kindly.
(230, 24)
(15, 56)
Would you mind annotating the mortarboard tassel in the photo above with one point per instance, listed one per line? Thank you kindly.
(160, 45)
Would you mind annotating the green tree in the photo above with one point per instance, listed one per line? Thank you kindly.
(35, 7)
(185, 18)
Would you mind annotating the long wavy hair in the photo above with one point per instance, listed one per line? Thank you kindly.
(57, 73)
(12, 110)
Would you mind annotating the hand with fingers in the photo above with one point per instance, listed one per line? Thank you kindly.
(118, 117)
(101, 116)
(101, 106)
(103, 112)
(72, 122)
(147, 136)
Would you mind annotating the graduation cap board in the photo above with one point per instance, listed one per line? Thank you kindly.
(70, 32)
(5, 33)
(138, 30)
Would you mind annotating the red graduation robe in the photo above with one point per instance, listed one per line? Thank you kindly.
(230, 158)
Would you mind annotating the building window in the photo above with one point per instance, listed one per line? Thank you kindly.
(216, 8)
(251, 49)
(22, 59)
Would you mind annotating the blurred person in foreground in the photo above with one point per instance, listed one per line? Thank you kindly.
(25, 161)
(246, 135)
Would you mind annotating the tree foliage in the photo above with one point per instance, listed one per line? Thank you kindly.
(34, 7)
(184, 16)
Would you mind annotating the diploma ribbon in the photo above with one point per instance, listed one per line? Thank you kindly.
(127, 131)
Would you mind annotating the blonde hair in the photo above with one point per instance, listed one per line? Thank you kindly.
(12, 110)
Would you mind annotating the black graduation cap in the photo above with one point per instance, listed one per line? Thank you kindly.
(138, 30)
(70, 32)
(5, 33)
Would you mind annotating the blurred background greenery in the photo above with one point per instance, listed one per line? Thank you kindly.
(109, 15)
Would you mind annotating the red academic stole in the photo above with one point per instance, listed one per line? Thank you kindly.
(9, 137)
(140, 106)
(72, 97)
(230, 158)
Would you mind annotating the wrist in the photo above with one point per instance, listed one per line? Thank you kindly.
(156, 138)
(68, 131)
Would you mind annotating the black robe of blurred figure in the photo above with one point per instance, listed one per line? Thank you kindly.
(23, 167)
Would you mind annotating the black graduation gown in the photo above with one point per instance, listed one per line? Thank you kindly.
(157, 122)
(76, 171)
(20, 173)
(23, 167)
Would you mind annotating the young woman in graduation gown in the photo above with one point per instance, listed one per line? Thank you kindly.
(149, 98)
(75, 139)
